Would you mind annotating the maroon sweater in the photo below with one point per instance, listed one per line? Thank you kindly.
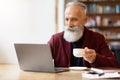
(61, 50)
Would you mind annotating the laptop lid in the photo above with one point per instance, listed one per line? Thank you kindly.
(35, 57)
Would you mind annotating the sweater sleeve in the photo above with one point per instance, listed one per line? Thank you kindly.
(105, 57)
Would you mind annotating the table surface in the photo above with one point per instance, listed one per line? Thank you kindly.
(13, 72)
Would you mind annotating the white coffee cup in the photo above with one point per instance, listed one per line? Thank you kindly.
(78, 52)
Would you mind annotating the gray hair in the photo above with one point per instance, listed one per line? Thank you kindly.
(82, 5)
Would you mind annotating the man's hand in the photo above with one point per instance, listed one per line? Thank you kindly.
(90, 55)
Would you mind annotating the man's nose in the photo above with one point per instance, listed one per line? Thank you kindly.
(69, 23)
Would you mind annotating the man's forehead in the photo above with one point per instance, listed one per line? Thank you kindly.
(74, 10)
(71, 16)
(79, 4)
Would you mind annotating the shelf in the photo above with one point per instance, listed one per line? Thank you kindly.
(110, 29)
(113, 40)
(101, 2)
(103, 14)
(105, 27)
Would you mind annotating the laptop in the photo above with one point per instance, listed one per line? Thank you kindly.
(36, 57)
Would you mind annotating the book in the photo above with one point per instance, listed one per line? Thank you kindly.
(105, 69)
(102, 73)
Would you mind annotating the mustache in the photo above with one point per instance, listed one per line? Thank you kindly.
(74, 28)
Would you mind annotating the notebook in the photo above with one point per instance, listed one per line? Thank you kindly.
(36, 57)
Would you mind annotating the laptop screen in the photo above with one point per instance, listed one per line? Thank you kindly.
(34, 57)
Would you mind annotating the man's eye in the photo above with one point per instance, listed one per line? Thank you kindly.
(74, 19)
(66, 19)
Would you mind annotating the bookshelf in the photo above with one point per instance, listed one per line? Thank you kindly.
(104, 17)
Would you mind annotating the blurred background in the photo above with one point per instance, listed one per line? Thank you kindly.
(24, 21)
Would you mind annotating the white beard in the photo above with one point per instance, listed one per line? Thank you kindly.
(73, 34)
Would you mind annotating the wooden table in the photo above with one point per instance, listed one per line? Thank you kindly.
(12, 72)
